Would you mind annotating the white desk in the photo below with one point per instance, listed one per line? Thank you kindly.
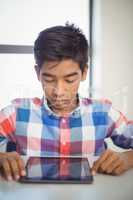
(105, 187)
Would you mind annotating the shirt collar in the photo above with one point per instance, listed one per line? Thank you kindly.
(74, 113)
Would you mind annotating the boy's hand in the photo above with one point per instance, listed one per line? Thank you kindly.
(111, 162)
(12, 165)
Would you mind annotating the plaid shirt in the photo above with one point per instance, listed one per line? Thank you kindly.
(38, 131)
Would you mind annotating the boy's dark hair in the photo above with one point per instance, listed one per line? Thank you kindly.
(61, 42)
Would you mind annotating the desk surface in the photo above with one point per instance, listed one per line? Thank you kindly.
(104, 187)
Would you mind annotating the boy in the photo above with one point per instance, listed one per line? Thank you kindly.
(63, 123)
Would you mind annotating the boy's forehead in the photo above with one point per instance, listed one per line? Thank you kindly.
(50, 64)
(63, 66)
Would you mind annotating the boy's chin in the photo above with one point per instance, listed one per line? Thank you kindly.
(60, 107)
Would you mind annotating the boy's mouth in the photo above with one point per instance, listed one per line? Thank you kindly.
(60, 104)
(63, 104)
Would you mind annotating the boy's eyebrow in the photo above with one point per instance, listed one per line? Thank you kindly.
(68, 75)
(71, 74)
(47, 74)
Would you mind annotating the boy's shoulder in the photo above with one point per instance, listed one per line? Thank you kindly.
(26, 102)
(97, 104)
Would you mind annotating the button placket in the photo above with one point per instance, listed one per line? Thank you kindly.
(64, 122)
(64, 137)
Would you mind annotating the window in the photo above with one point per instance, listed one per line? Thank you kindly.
(21, 21)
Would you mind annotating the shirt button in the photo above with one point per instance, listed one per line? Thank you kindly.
(63, 121)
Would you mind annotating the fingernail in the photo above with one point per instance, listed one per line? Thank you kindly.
(93, 173)
(23, 173)
(9, 178)
(17, 177)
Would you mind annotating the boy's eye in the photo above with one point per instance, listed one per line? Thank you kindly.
(70, 81)
(49, 80)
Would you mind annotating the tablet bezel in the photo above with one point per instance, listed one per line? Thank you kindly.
(71, 181)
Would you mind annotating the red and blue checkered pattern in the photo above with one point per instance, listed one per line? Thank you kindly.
(37, 131)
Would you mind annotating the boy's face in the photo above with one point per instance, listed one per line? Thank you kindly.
(60, 82)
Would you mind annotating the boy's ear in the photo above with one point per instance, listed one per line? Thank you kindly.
(84, 73)
(37, 72)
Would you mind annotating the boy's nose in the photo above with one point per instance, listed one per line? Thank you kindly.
(60, 89)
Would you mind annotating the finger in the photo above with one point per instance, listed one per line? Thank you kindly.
(113, 166)
(20, 163)
(93, 172)
(21, 166)
(14, 154)
(103, 157)
(119, 170)
(7, 170)
(14, 168)
(108, 162)
(100, 170)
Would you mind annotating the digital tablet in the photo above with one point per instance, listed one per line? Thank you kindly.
(57, 170)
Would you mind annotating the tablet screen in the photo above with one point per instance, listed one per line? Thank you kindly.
(58, 169)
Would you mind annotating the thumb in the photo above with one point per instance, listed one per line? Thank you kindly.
(93, 171)
(95, 167)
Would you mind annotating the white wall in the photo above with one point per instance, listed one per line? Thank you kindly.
(113, 52)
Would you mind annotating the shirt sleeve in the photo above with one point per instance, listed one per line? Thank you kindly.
(7, 124)
(120, 129)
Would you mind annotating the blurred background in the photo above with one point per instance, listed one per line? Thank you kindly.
(21, 22)
(108, 26)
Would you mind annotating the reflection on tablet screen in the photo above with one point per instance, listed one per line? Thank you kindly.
(58, 169)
